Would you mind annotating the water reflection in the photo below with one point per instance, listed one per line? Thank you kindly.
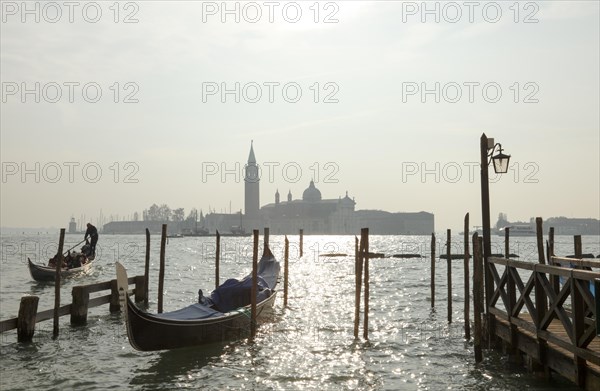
(178, 367)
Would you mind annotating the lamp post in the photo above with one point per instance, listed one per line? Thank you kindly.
(501, 161)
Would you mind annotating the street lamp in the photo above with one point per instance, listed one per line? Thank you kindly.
(500, 160)
(487, 149)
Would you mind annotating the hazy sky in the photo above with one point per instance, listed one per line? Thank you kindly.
(350, 103)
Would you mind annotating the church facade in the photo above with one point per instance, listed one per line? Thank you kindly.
(312, 213)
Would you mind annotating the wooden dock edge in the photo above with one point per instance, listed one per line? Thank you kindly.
(558, 359)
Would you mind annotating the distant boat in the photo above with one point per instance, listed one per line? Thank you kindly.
(519, 230)
(48, 273)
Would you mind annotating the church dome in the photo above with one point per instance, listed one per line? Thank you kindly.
(311, 194)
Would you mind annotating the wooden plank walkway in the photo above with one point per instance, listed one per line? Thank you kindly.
(558, 358)
(553, 323)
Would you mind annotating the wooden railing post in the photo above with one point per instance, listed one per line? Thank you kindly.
(79, 307)
(541, 305)
(511, 290)
(26, 318)
(578, 306)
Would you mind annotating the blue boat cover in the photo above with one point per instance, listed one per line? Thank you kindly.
(232, 294)
(192, 312)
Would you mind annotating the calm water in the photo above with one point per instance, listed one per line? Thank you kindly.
(306, 346)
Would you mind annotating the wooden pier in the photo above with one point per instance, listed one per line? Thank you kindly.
(543, 312)
(554, 328)
(29, 316)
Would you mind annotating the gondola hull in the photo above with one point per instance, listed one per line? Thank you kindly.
(224, 316)
(148, 332)
(47, 273)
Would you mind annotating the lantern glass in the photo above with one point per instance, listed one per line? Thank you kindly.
(501, 162)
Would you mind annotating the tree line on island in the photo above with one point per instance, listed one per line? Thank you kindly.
(165, 213)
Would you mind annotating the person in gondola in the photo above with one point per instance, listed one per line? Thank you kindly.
(92, 232)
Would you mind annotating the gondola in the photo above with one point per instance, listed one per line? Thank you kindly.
(48, 273)
(223, 316)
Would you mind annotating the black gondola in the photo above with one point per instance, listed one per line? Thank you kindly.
(48, 273)
(223, 316)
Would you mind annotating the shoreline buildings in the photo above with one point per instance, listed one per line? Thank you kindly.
(312, 213)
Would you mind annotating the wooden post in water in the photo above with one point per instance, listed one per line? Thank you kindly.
(147, 269)
(577, 246)
(59, 261)
(286, 256)
(357, 283)
(540, 240)
(449, 274)
(466, 280)
(253, 290)
(79, 307)
(432, 270)
(26, 319)
(477, 296)
(161, 271)
(555, 280)
(114, 305)
(217, 260)
(365, 235)
(507, 242)
(301, 242)
(266, 237)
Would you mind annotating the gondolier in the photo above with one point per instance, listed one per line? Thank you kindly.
(92, 232)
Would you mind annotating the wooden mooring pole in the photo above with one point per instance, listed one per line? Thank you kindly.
(286, 256)
(577, 246)
(449, 274)
(301, 233)
(365, 236)
(254, 287)
(540, 240)
(266, 237)
(59, 261)
(432, 270)
(26, 319)
(507, 242)
(477, 296)
(147, 269)
(161, 271)
(549, 254)
(79, 307)
(466, 279)
(217, 260)
(357, 283)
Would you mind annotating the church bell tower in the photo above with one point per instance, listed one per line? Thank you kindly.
(251, 179)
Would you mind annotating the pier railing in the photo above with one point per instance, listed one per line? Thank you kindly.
(550, 314)
(28, 315)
